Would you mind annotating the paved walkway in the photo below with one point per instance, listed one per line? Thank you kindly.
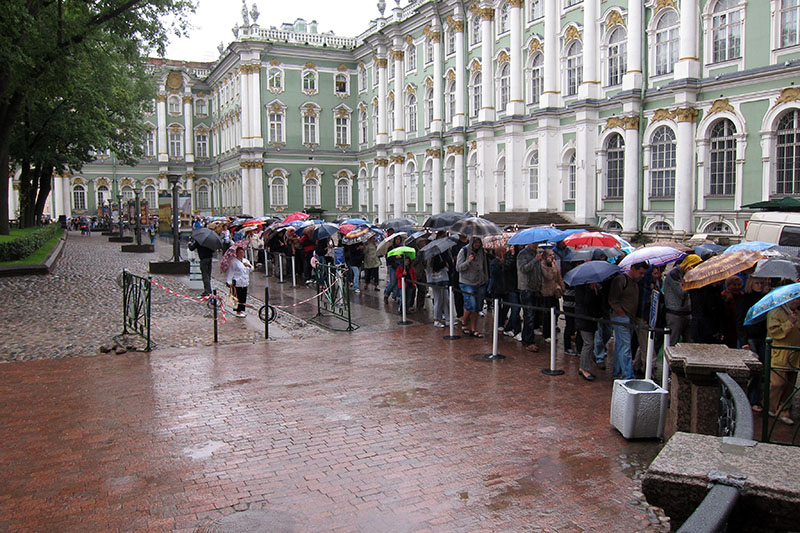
(387, 428)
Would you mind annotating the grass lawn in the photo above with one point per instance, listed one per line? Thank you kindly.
(36, 257)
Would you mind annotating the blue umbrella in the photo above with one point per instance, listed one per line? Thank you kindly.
(566, 233)
(591, 272)
(755, 246)
(773, 299)
(532, 235)
(356, 221)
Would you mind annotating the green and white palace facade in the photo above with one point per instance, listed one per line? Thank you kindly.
(654, 115)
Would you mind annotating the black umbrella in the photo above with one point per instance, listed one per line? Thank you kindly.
(399, 224)
(444, 220)
(437, 247)
(207, 238)
(476, 227)
(324, 231)
(414, 237)
(776, 268)
(592, 253)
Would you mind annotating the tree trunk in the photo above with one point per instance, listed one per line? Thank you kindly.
(27, 193)
(45, 187)
(8, 116)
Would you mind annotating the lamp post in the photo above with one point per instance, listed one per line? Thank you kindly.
(137, 191)
(173, 180)
(119, 199)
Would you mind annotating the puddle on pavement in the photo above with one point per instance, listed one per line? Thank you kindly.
(400, 398)
(233, 383)
(512, 492)
(205, 450)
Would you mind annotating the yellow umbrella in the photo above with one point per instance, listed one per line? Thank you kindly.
(720, 268)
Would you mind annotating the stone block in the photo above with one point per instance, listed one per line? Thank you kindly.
(680, 477)
(636, 407)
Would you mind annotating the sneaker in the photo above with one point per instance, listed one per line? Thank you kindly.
(357, 291)
(438, 324)
(508, 333)
(481, 313)
(518, 337)
(241, 314)
(570, 351)
(500, 328)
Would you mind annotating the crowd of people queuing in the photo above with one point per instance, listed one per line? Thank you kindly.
(529, 280)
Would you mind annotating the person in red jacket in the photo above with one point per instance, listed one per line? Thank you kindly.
(406, 271)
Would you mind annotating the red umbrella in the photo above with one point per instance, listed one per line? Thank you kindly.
(253, 222)
(344, 229)
(295, 216)
(591, 238)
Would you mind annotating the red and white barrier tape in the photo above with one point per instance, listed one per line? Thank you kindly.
(312, 297)
(195, 298)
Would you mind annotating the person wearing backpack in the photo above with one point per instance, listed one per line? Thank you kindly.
(623, 299)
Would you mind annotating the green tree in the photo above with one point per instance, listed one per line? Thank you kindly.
(71, 82)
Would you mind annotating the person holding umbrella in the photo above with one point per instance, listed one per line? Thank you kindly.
(676, 301)
(783, 325)
(752, 337)
(623, 299)
(371, 263)
(205, 242)
(473, 270)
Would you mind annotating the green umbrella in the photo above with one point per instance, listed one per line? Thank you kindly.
(400, 250)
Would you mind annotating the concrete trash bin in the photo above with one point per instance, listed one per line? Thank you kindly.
(195, 276)
(636, 408)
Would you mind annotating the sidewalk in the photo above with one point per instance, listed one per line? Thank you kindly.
(388, 428)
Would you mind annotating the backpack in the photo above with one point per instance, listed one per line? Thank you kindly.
(438, 263)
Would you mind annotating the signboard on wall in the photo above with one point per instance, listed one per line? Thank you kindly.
(165, 211)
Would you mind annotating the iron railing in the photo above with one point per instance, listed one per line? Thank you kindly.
(334, 295)
(136, 306)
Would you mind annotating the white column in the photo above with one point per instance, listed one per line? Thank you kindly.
(590, 88)
(382, 162)
(550, 91)
(161, 118)
(549, 150)
(399, 133)
(436, 37)
(630, 201)
(399, 162)
(436, 178)
(487, 186)
(516, 106)
(250, 83)
(515, 152)
(246, 181)
(188, 116)
(633, 77)
(458, 174)
(586, 166)
(487, 112)
(685, 171)
(459, 119)
(381, 63)
(688, 65)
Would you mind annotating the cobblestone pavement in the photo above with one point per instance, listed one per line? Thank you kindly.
(78, 307)
(384, 429)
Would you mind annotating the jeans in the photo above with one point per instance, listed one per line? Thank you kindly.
(527, 298)
(473, 297)
(441, 301)
(623, 359)
(391, 282)
(356, 271)
(601, 338)
(514, 323)
(205, 271)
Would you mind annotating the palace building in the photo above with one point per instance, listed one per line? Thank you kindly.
(654, 115)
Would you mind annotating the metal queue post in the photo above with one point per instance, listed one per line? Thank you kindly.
(266, 302)
(552, 371)
(294, 271)
(404, 321)
(280, 268)
(495, 322)
(651, 348)
(451, 306)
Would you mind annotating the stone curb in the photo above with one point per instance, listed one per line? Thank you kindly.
(42, 268)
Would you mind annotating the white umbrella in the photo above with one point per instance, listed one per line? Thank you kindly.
(386, 244)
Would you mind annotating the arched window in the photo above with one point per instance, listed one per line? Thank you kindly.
(311, 187)
(342, 125)
(175, 142)
(362, 78)
(411, 114)
(277, 131)
(612, 225)
(151, 197)
(390, 117)
(502, 19)
(127, 193)
(450, 40)
(475, 33)
(451, 102)
(428, 108)
(201, 107)
(667, 42)
(277, 191)
(102, 195)
(722, 176)
(343, 196)
(533, 175)
(201, 144)
(411, 184)
(309, 82)
(616, 57)
(504, 82)
(340, 84)
(718, 227)
(362, 126)
(375, 121)
(475, 94)
(411, 57)
(174, 105)
(572, 177)
(428, 51)
(150, 143)
(275, 80)
(662, 163)
(310, 124)
(788, 154)
(535, 78)
(727, 30)
(661, 227)
(202, 197)
(574, 67)
(79, 197)
(615, 160)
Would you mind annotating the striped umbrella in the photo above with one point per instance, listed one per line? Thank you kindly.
(476, 227)
(497, 241)
(720, 268)
(591, 238)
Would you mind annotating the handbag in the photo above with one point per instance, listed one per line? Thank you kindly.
(231, 302)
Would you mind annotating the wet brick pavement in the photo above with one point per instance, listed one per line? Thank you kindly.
(384, 429)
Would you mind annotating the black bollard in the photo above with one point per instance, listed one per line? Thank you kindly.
(214, 296)
(266, 312)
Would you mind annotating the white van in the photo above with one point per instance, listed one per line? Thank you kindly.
(780, 227)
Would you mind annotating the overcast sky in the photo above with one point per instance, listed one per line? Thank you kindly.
(214, 19)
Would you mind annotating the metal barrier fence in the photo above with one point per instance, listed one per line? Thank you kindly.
(136, 306)
(784, 373)
(334, 298)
